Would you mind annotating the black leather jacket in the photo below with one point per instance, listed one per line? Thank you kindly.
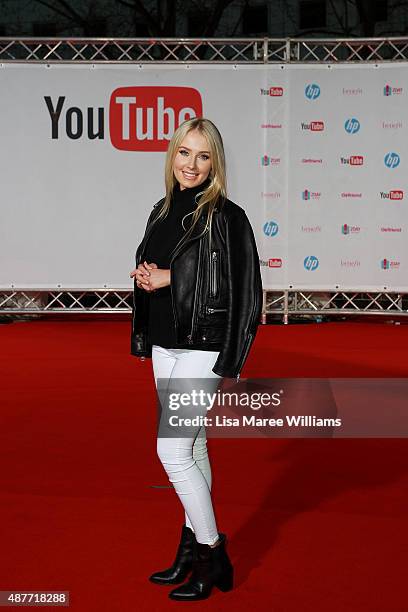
(216, 292)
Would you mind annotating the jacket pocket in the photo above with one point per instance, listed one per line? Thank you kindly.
(214, 273)
(211, 310)
(214, 316)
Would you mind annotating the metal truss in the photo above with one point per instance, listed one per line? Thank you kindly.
(142, 50)
(201, 50)
(349, 50)
(307, 303)
(283, 304)
(27, 301)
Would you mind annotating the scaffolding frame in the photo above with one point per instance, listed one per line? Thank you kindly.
(284, 304)
(202, 50)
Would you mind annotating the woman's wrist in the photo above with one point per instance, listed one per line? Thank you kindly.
(162, 279)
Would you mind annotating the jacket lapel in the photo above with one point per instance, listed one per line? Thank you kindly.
(196, 233)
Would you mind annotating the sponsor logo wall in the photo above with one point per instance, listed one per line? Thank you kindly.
(347, 209)
(317, 156)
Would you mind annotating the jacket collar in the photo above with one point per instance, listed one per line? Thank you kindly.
(189, 192)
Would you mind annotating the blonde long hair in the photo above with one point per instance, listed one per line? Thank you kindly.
(216, 192)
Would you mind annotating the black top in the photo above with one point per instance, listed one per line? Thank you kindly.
(164, 237)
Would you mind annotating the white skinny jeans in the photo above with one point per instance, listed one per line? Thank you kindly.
(186, 459)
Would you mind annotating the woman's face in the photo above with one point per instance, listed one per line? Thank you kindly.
(192, 163)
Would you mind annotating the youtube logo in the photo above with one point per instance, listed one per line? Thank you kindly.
(145, 118)
(140, 118)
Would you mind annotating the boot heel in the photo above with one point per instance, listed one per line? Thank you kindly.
(211, 568)
(226, 582)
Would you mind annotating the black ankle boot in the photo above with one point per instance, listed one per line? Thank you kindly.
(183, 562)
(211, 567)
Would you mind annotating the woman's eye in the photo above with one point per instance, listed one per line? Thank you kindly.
(183, 152)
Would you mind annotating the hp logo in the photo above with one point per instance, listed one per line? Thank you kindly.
(311, 263)
(392, 160)
(270, 228)
(312, 91)
(352, 126)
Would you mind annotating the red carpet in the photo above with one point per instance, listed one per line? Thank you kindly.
(312, 524)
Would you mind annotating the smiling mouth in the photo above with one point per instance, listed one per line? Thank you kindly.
(189, 175)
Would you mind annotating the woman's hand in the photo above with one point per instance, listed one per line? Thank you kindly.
(141, 273)
(149, 277)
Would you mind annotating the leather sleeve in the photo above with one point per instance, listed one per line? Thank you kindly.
(139, 346)
(244, 295)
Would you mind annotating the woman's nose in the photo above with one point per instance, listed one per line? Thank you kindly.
(192, 164)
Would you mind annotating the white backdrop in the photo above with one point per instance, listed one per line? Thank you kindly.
(74, 207)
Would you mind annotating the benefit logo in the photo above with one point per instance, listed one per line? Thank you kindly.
(140, 118)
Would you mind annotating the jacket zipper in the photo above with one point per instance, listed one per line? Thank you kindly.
(172, 304)
(214, 279)
(245, 353)
(190, 335)
(247, 343)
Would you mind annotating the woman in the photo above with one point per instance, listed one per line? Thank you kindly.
(197, 304)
